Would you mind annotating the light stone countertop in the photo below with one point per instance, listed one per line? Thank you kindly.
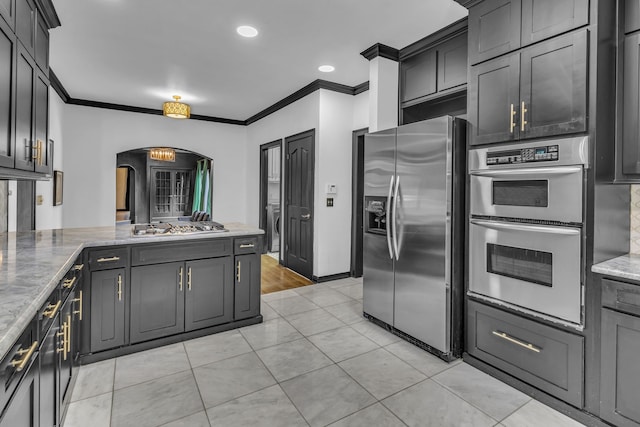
(33, 263)
(623, 267)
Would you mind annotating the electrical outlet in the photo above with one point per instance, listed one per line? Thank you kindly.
(330, 201)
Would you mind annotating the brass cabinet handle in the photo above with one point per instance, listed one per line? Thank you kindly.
(512, 123)
(78, 267)
(79, 301)
(119, 287)
(189, 278)
(247, 245)
(68, 284)
(528, 346)
(51, 310)
(113, 258)
(22, 363)
(180, 279)
(63, 334)
(238, 272)
(67, 341)
(523, 122)
(39, 145)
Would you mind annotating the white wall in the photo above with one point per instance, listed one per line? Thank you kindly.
(94, 136)
(47, 215)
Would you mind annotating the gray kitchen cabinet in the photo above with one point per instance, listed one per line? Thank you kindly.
(50, 373)
(631, 16)
(497, 27)
(418, 75)
(24, 131)
(247, 286)
(26, 24)
(452, 63)
(209, 293)
(157, 301)
(41, 50)
(108, 294)
(540, 91)
(43, 162)
(629, 140)
(7, 94)
(23, 409)
(8, 12)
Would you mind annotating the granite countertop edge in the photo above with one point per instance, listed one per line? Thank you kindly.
(9, 334)
(625, 266)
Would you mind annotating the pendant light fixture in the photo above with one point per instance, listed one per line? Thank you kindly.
(176, 109)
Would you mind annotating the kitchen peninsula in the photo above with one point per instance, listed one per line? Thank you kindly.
(73, 296)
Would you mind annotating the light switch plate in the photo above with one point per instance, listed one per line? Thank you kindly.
(332, 189)
(330, 202)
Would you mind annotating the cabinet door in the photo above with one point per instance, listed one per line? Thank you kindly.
(494, 29)
(49, 375)
(7, 94)
(42, 45)
(542, 19)
(67, 344)
(8, 11)
(22, 410)
(43, 159)
(247, 286)
(553, 87)
(452, 63)
(631, 106)
(108, 290)
(631, 15)
(26, 24)
(209, 296)
(493, 100)
(24, 110)
(157, 300)
(620, 371)
(418, 75)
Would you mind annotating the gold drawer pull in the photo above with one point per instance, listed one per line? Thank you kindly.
(247, 245)
(189, 278)
(523, 122)
(528, 346)
(119, 287)
(78, 267)
(68, 284)
(113, 258)
(22, 363)
(238, 272)
(180, 279)
(51, 310)
(512, 123)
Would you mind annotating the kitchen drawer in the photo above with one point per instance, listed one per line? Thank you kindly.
(545, 357)
(246, 245)
(179, 251)
(48, 311)
(107, 258)
(23, 350)
(621, 296)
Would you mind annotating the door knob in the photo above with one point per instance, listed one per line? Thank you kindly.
(307, 216)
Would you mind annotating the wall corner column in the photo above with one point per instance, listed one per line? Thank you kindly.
(383, 86)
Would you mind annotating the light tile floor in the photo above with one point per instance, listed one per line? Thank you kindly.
(315, 361)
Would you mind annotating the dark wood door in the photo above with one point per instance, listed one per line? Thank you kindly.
(26, 220)
(209, 293)
(43, 162)
(170, 191)
(452, 63)
(542, 19)
(419, 75)
(157, 300)
(631, 106)
(108, 290)
(620, 372)
(553, 87)
(24, 110)
(7, 11)
(7, 94)
(22, 410)
(49, 375)
(494, 29)
(299, 192)
(493, 100)
(247, 286)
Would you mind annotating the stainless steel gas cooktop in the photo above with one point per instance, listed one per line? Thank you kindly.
(177, 228)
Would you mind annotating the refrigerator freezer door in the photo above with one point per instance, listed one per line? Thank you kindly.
(378, 277)
(421, 303)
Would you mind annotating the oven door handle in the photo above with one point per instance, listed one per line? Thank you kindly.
(538, 173)
(388, 216)
(568, 231)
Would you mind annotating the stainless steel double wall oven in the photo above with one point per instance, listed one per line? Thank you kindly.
(526, 227)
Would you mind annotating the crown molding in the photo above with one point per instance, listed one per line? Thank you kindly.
(455, 29)
(299, 94)
(49, 13)
(382, 50)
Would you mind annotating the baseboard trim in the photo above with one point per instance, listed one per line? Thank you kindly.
(330, 277)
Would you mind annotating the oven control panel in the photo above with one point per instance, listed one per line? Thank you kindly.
(523, 155)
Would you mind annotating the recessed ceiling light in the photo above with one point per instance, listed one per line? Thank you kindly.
(326, 68)
(247, 31)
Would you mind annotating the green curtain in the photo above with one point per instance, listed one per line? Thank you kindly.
(202, 192)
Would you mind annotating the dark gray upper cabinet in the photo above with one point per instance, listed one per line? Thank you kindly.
(25, 75)
(157, 301)
(500, 26)
(418, 75)
(26, 24)
(209, 292)
(8, 11)
(43, 161)
(631, 16)
(494, 29)
(42, 45)
(108, 292)
(7, 94)
(493, 100)
(630, 139)
(247, 286)
(452, 63)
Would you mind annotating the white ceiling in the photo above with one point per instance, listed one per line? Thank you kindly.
(141, 52)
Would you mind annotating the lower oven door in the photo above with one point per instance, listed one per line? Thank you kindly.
(531, 267)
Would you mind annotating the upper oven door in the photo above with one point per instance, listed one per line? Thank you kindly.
(544, 193)
(535, 267)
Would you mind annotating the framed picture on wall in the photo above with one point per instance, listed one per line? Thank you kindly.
(57, 188)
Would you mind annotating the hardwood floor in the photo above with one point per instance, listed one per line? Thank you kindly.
(278, 278)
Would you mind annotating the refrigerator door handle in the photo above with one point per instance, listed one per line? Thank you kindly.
(388, 215)
(394, 224)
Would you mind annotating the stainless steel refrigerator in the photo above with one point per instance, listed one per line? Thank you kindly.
(413, 232)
